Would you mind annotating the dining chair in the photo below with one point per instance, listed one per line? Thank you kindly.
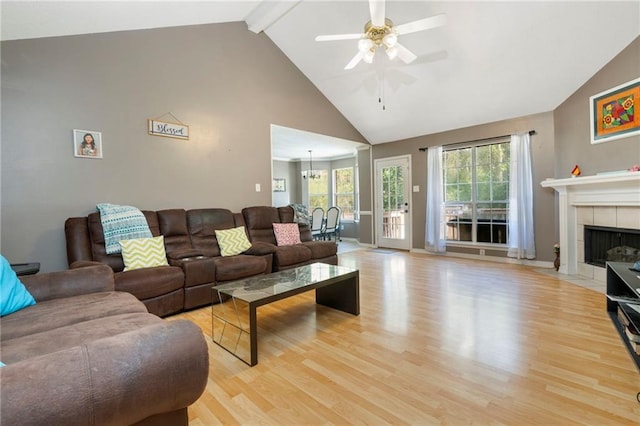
(317, 219)
(332, 226)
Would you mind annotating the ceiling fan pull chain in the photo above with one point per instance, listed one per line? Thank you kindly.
(384, 107)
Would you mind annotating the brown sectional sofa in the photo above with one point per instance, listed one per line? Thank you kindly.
(85, 354)
(193, 253)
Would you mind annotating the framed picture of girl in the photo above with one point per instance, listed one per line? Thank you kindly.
(87, 143)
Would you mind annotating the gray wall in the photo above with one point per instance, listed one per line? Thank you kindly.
(365, 227)
(542, 147)
(229, 93)
(286, 170)
(573, 138)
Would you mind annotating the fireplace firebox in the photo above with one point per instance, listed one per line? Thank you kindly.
(604, 244)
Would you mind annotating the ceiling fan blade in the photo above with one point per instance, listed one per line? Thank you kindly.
(356, 59)
(421, 24)
(338, 37)
(405, 54)
(377, 10)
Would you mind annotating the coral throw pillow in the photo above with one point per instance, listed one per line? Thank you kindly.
(143, 253)
(287, 234)
(232, 241)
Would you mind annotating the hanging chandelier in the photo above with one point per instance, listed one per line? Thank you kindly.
(311, 174)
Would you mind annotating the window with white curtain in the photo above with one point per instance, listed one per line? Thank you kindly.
(476, 192)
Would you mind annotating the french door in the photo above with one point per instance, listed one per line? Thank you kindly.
(393, 202)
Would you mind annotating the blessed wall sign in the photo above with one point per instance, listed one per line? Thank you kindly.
(168, 129)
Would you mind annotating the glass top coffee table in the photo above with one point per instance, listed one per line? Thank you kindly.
(234, 320)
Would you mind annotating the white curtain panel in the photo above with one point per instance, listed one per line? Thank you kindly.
(521, 238)
(434, 238)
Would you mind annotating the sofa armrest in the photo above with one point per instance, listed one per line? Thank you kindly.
(117, 380)
(260, 248)
(84, 263)
(72, 282)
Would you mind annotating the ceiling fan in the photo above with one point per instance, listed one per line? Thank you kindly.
(380, 32)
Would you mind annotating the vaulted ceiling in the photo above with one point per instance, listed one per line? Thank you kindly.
(492, 61)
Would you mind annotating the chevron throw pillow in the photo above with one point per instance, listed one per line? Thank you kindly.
(143, 253)
(232, 241)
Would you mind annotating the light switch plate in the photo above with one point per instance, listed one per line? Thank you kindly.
(257, 187)
(416, 188)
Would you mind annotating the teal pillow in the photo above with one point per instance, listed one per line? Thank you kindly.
(13, 294)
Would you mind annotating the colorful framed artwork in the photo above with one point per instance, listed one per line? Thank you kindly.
(279, 185)
(613, 113)
(87, 143)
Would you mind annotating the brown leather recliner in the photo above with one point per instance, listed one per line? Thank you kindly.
(202, 224)
(259, 222)
(161, 289)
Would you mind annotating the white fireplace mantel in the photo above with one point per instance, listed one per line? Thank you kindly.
(614, 189)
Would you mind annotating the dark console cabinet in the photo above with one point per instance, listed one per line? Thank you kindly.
(623, 294)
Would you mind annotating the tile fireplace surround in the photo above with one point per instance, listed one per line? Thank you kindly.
(611, 200)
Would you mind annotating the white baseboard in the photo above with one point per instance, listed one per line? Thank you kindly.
(421, 251)
(355, 241)
(350, 240)
(527, 262)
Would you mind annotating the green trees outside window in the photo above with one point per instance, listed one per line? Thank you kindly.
(344, 192)
(476, 193)
(319, 190)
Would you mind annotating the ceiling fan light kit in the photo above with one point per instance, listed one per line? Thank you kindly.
(380, 32)
(375, 37)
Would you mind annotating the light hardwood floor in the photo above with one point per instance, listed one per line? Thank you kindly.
(439, 341)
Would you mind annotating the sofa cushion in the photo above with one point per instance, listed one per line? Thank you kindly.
(61, 312)
(173, 226)
(232, 241)
(287, 234)
(321, 249)
(240, 266)
(150, 282)
(75, 334)
(13, 294)
(121, 223)
(143, 253)
(202, 224)
(259, 221)
(291, 255)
